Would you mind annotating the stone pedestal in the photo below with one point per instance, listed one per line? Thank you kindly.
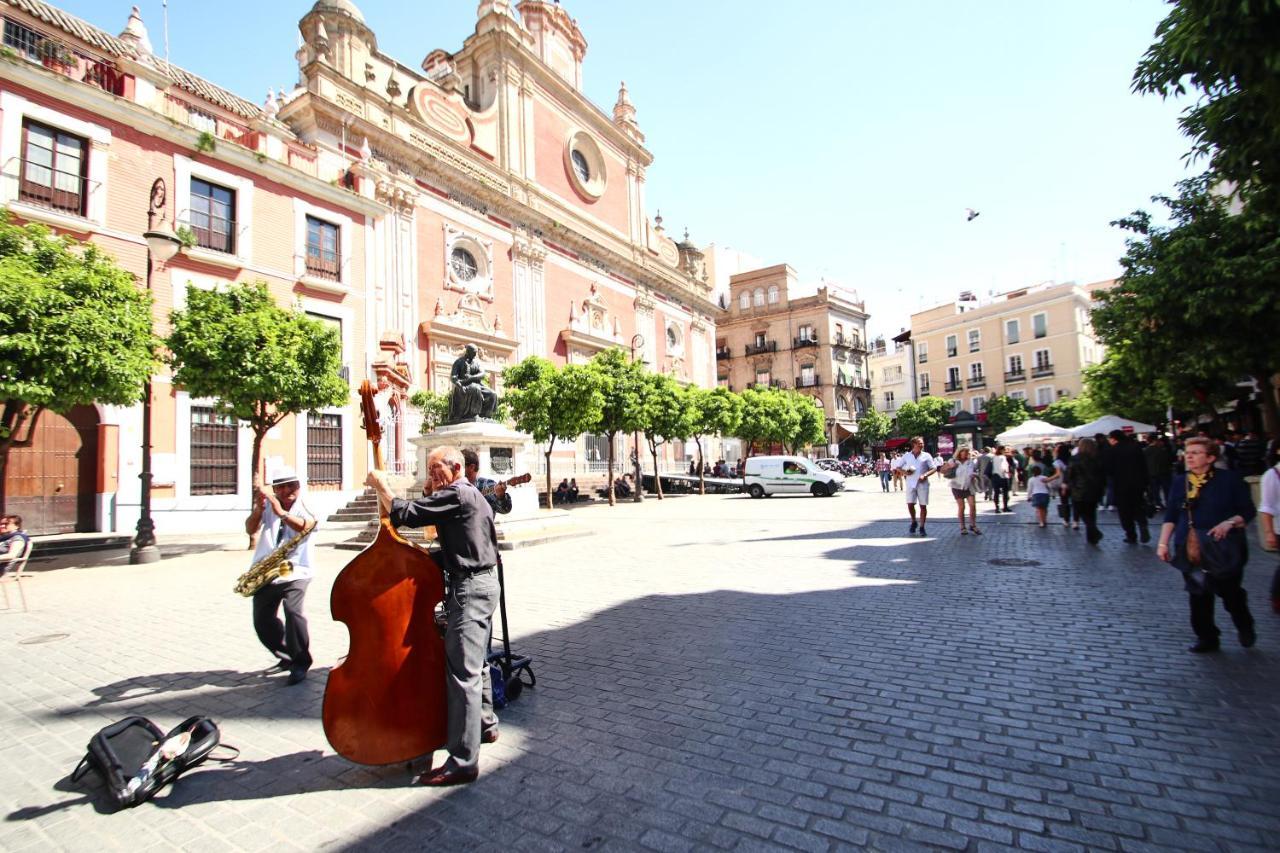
(504, 453)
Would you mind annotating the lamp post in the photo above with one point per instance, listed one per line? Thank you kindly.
(162, 244)
(637, 340)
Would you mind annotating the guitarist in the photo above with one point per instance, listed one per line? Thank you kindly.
(499, 500)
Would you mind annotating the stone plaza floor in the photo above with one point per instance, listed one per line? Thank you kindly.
(713, 673)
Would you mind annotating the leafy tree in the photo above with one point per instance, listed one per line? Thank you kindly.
(1187, 317)
(258, 362)
(622, 385)
(714, 412)
(552, 404)
(668, 417)
(434, 407)
(874, 427)
(1114, 388)
(1230, 52)
(924, 418)
(767, 418)
(1005, 412)
(1070, 411)
(810, 421)
(75, 329)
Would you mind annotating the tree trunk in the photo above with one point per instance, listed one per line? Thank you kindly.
(657, 481)
(257, 480)
(609, 471)
(550, 445)
(702, 480)
(16, 414)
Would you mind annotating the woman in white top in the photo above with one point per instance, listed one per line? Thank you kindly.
(961, 470)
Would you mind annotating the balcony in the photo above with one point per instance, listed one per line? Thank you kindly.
(853, 382)
(1041, 370)
(56, 190)
(324, 266)
(925, 392)
(766, 346)
(798, 343)
(1015, 376)
(848, 342)
(778, 383)
(722, 353)
(977, 382)
(954, 386)
(952, 352)
(62, 58)
(813, 381)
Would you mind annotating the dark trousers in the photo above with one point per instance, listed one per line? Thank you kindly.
(288, 641)
(1158, 490)
(1087, 511)
(1132, 508)
(1065, 507)
(1234, 598)
(1000, 486)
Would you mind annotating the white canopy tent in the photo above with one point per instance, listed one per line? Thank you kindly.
(1107, 423)
(1033, 432)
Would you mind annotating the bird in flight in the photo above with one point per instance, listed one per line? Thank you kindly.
(971, 214)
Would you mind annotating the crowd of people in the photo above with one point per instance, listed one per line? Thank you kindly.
(1194, 484)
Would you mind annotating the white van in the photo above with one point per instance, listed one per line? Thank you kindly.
(770, 475)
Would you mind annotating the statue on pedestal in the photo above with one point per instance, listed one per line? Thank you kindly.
(470, 399)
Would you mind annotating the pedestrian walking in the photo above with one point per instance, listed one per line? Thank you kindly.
(883, 469)
(917, 466)
(1127, 469)
(982, 477)
(962, 470)
(1203, 536)
(1270, 511)
(1087, 481)
(1038, 491)
(1000, 478)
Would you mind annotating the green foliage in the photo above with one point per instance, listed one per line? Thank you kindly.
(434, 407)
(622, 386)
(206, 142)
(550, 403)
(1186, 320)
(715, 411)
(75, 329)
(257, 362)
(810, 420)
(1071, 411)
(185, 236)
(668, 416)
(1005, 412)
(924, 418)
(874, 427)
(1229, 51)
(1114, 388)
(772, 416)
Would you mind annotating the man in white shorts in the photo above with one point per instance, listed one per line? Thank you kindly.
(917, 465)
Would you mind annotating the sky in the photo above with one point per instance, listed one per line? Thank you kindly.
(844, 138)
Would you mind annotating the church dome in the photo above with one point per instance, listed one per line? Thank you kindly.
(345, 6)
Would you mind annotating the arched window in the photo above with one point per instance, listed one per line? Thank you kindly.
(744, 301)
(842, 405)
(860, 406)
(773, 294)
(758, 297)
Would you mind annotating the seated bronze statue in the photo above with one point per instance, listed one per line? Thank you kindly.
(470, 399)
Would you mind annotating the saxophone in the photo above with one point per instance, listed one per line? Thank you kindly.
(274, 565)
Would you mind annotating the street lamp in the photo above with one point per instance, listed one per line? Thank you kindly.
(162, 244)
(637, 340)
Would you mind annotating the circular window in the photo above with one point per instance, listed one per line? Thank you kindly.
(675, 341)
(585, 164)
(463, 263)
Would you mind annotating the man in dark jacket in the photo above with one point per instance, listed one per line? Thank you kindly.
(1127, 469)
(1159, 470)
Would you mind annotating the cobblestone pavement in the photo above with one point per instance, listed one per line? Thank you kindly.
(712, 673)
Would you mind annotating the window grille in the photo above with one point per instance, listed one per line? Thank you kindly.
(324, 450)
(215, 444)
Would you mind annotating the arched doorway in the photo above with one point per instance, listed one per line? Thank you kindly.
(53, 482)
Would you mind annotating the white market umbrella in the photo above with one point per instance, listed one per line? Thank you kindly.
(1107, 423)
(1033, 432)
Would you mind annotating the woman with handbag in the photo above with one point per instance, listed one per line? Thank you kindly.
(1203, 537)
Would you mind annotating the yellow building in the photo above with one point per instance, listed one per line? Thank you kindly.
(816, 344)
(1032, 344)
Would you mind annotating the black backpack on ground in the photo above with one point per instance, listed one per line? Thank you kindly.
(127, 756)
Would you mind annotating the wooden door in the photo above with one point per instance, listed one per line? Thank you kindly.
(52, 483)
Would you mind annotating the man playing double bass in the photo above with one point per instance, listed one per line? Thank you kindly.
(469, 556)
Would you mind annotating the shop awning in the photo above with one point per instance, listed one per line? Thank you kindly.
(843, 431)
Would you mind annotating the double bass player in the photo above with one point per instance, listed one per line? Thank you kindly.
(469, 556)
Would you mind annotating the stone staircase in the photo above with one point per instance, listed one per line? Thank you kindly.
(362, 509)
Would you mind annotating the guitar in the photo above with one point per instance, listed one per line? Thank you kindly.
(514, 481)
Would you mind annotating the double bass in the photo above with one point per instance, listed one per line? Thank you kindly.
(385, 703)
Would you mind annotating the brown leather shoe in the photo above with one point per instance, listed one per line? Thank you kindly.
(489, 735)
(445, 775)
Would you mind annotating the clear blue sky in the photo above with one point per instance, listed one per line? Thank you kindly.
(844, 138)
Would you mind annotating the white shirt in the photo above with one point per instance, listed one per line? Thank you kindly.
(1000, 465)
(922, 465)
(962, 476)
(270, 530)
(1037, 485)
(1271, 497)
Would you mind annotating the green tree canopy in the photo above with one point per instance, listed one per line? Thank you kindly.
(924, 418)
(552, 404)
(1230, 52)
(810, 422)
(1070, 411)
(75, 329)
(874, 427)
(716, 411)
(1005, 412)
(434, 407)
(256, 361)
(1187, 318)
(622, 385)
(668, 416)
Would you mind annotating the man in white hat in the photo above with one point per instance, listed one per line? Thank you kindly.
(280, 517)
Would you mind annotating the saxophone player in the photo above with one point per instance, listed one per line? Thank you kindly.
(278, 516)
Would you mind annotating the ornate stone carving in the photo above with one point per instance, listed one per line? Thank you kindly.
(468, 263)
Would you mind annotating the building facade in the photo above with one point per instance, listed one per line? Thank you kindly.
(889, 369)
(1032, 344)
(477, 197)
(766, 337)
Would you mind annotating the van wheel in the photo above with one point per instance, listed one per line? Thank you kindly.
(755, 490)
(832, 489)
(818, 490)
